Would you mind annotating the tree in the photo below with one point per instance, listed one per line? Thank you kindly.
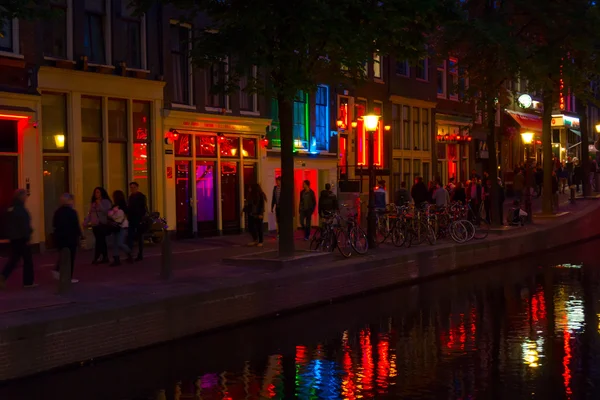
(23, 9)
(484, 35)
(298, 44)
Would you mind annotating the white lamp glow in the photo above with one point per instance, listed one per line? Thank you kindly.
(371, 122)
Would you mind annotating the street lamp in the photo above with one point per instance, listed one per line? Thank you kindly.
(527, 138)
(371, 123)
(598, 128)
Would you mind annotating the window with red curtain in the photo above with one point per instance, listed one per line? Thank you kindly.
(362, 148)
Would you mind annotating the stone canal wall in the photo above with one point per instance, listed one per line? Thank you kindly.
(40, 340)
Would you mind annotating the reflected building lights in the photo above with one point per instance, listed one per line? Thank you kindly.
(532, 352)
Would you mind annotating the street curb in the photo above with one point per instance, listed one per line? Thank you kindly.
(41, 340)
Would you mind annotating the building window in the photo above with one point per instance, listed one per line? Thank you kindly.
(91, 136)
(180, 41)
(55, 30)
(322, 117)
(360, 109)
(377, 73)
(54, 127)
(406, 127)
(134, 39)
(142, 148)
(416, 128)
(402, 68)
(378, 135)
(249, 148)
(422, 69)
(425, 129)
(117, 144)
(94, 31)
(426, 172)
(441, 79)
(300, 120)
(396, 126)
(215, 85)
(416, 169)
(248, 97)
(453, 72)
(463, 83)
(9, 36)
(406, 173)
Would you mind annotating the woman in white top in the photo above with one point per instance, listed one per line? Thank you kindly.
(118, 218)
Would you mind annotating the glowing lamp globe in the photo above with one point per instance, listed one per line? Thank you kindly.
(371, 122)
(527, 137)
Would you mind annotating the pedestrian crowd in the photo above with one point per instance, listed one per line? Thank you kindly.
(123, 219)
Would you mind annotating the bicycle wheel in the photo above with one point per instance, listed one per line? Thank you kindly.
(316, 240)
(381, 233)
(430, 235)
(458, 232)
(358, 240)
(422, 232)
(343, 243)
(399, 234)
(470, 228)
(482, 229)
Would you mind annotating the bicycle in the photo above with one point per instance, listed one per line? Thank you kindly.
(330, 236)
(356, 235)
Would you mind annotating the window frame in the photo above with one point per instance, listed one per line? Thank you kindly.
(106, 34)
(377, 72)
(324, 124)
(226, 100)
(254, 111)
(68, 8)
(453, 73)
(304, 113)
(128, 18)
(406, 66)
(425, 65)
(14, 51)
(190, 79)
(443, 68)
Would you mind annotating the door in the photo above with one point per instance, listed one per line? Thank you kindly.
(183, 199)
(206, 198)
(250, 178)
(56, 183)
(230, 197)
(9, 181)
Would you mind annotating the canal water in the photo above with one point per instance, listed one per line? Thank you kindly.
(523, 330)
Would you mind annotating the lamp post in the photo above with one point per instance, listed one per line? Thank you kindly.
(371, 123)
(527, 138)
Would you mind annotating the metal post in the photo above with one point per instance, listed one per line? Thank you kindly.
(64, 269)
(166, 271)
(371, 219)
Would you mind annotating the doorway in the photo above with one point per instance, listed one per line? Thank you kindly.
(230, 197)
(183, 199)
(206, 198)
(9, 182)
(56, 183)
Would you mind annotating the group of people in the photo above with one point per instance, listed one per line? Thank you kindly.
(122, 218)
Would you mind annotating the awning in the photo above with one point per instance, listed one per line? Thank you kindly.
(575, 131)
(528, 122)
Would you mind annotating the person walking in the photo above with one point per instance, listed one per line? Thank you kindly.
(308, 203)
(19, 233)
(327, 201)
(275, 201)
(255, 211)
(119, 226)
(402, 195)
(67, 232)
(563, 177)
(459, 194)
(577, 174)
(97, 218)
(137, 209)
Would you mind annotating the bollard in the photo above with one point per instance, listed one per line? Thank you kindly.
(64, 268)
(166, 271)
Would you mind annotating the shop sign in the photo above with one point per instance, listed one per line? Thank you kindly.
(217, 126)
(564, 120)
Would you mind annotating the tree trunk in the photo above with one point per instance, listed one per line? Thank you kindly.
(547, 151)
(286, 200)
(496, 204)
(585, 150)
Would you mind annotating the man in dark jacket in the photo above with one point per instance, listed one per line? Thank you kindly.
(308, 203)
(137, 208)
(67, 231)
(327, 201)
(18, 229)
(419, 192)
(402, 196)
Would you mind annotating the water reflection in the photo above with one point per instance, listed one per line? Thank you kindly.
(515, 332)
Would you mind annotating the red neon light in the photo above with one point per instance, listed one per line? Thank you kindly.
(13, 116)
